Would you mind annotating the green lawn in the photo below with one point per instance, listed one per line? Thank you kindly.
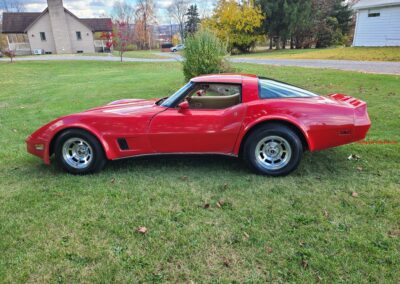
(342, 53)
(303, 228)
(151, 54)
(147, 54)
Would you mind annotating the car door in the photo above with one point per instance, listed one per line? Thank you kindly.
(196, 130)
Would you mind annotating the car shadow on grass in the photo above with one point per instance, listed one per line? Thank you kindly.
(324, 162)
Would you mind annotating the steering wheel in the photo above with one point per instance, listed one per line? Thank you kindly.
(200, 93)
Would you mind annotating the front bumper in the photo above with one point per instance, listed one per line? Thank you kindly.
(39, 148)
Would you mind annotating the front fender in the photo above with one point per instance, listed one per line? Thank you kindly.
(46, 135)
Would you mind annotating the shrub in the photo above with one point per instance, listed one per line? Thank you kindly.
(10, 54)
(204, 53)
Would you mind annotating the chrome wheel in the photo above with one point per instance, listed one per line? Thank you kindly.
(273, 152)
(77, 153)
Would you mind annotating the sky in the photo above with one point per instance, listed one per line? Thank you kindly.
(101, 8)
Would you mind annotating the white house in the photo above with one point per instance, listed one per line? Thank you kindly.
(55, 30)
(378, 23)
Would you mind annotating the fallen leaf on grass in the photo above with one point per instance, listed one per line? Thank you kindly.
(142, 230)
(326, 214)
(353, 157)
(304, 263)
(184, 178)
(269, 249)
(227, 263)
(354, 194)
(246, 235)
(359, 169)
(220, 203)
(112, 180)
(394, 233)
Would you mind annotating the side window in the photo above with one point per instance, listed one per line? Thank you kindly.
(78, 36)
(372, 13)
(270, 89)
(214, 96)
(43, 36)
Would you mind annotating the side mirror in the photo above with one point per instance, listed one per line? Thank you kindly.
(183, 106)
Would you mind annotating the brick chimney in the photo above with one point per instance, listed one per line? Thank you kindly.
(59, 26)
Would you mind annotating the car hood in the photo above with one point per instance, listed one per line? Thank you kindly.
(125, 107)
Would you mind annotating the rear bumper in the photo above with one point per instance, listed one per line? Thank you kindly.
(362, 122)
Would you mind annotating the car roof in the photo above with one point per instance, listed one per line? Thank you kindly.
(223, 78)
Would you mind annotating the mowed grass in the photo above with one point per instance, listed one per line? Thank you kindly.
(149, 54)
(338, 53)
(146, 54)
(304, 228)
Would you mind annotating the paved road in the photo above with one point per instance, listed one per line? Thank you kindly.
(359, 66)
(348, 65)
(89, 57)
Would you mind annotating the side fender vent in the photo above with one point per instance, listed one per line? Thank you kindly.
(123, 145)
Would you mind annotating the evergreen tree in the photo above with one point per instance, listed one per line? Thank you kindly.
(193, 20)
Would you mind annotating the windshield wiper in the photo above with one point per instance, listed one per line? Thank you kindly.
(160, 101)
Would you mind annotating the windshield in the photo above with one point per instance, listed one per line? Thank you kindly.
(270, 89)
(172, 99)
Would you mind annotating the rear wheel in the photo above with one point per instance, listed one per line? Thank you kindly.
(273, 149)
(79, 152)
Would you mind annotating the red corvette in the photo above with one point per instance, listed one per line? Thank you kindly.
(267, 122)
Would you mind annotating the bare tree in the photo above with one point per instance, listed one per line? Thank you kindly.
(206, 7)
(145, 18)
(178, 10)
(12, 6)
(123, 12)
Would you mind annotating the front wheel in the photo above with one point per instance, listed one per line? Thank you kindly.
(79, 152)
(273, 149)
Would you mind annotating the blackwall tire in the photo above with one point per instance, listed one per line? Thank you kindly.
(273, 149)
(79, 152)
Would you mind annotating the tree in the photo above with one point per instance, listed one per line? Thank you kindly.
(12, 6)
(204, 54)
(304, 22)
(177, 10)
(278, 21)
(193, 20)
(145, 18)
(333, 21)
(10, 54)
(118, 38)
(236, 24)
(123, 12)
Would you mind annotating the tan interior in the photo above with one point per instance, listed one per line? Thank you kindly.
(207, 102)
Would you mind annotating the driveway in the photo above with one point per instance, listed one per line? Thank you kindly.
(378, 67)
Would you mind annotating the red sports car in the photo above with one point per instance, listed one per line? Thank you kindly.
(266, 122)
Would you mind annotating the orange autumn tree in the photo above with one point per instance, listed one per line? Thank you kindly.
(236, 24)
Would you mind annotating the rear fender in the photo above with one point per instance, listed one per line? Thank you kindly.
(263, 120)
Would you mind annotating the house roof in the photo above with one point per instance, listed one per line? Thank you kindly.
(19, 22)
(366, 4)
(98, 24)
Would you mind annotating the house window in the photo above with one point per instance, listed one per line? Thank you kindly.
(78, 36)
(43, 36)
(373, 13)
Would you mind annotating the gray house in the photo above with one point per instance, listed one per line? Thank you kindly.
(378, 23)
(55, 30)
